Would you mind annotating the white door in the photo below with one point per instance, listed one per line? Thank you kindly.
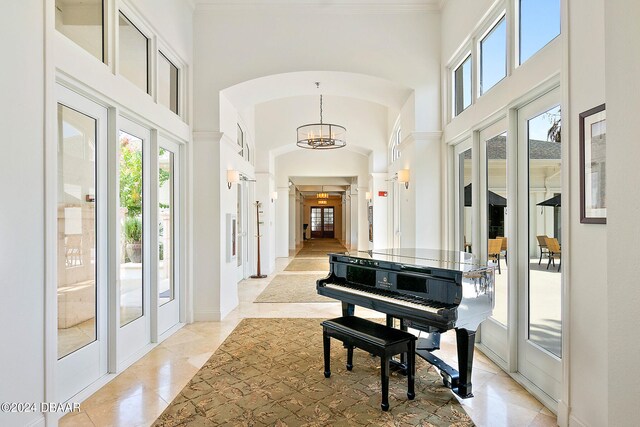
(395, 217)
(539, 277)
(168, 254)
(133, 237)
(81, 242)
(463, 205)
(494, 226)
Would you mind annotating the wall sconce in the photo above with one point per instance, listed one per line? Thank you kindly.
(403, 177)
(232, 177)
(367, 195)
(274, 196)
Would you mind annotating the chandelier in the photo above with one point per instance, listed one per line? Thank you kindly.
(322, 194)
(322, 202)
(321, 136)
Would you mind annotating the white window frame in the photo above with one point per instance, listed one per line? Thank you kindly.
(488, 29)
(145, 30)
(516, 35)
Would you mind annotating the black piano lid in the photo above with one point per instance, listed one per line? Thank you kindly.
(422, 257)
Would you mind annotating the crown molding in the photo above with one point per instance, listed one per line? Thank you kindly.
(352, 6)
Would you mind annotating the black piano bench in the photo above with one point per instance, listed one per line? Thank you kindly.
(377, 339)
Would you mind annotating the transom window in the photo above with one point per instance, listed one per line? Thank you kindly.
(462, 86)
(493, 56)
(82, 22)
(134, 55)
(539, 24)
(167, 83)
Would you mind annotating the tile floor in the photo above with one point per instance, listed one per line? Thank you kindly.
(138, 395)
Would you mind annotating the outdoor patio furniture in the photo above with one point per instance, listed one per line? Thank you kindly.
(495, 246)
(542, 243)
(503, 248)
(553, 246)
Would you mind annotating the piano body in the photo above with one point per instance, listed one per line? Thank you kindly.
(428, 290)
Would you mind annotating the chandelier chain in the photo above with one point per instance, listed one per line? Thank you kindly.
(320, 109)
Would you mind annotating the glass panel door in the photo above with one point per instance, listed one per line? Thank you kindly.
(81, 239)
(133, 243)
(327, 220)
(168, 235)
(495, 233)
(540, 281)
(464, 201)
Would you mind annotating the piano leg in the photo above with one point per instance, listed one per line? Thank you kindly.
(465, 341)
(326, 344)
(348, 309)
(384, 376)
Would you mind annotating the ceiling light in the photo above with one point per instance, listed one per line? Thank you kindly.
(321, 136)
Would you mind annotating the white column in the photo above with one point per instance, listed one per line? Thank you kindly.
(282, 227)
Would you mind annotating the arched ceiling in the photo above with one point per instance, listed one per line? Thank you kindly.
(352, 85)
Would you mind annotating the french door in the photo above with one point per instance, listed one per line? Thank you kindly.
(464, 169)
(322, 222)
(540, 283)
(133, 247)
(81, 242)
(167, 244)
(494, 226)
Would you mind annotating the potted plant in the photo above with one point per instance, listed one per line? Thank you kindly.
(133, 238)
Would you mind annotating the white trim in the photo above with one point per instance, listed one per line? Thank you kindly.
(207, 316)
(304, 6)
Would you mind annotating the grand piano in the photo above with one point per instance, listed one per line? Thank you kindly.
(430, 290)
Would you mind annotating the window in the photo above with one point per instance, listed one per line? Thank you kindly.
(493, 56)
(167, 83)
(240, 141)
(395, 149)
(462, 86)
(134, 57)
(539, 24)
(82, 22)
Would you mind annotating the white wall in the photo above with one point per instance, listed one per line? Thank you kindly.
(588, 242)
(622, 62)
(22, 214)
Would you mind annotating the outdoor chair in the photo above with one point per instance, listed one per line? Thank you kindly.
(495, 246)
(553, 246)
(503, 248)
(542, 244)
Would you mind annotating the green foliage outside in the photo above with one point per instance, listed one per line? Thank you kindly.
(131, 187)
(133, 229)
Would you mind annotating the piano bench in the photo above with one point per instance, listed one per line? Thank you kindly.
(377, 339)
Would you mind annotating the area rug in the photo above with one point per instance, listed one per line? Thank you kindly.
(270, 372)
(308, 264)
(293, 288)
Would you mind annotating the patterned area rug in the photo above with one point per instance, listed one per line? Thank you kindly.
(308, 264)
(293, 288)
(269, 372)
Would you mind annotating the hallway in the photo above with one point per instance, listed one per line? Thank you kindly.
(138, 395)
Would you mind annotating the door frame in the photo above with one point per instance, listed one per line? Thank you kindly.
(494, 335)
(135, 335)
(538, 366)
(166, 316)
(68, 370)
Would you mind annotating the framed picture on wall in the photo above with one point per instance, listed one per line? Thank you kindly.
(593, 177)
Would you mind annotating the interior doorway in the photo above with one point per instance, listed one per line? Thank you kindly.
(322, 219)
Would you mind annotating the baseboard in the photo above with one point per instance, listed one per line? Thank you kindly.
(563, 414)
(573, 421)
(38, 422)
(207, 316)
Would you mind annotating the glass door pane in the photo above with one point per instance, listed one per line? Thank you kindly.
(545, 291)
(327, 222)
(131, 228)
(497, 243)
(77, 243)
(466, 205)
(166, 226)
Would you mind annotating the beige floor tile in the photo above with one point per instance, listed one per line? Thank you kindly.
(76, 419)
(137, 410)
